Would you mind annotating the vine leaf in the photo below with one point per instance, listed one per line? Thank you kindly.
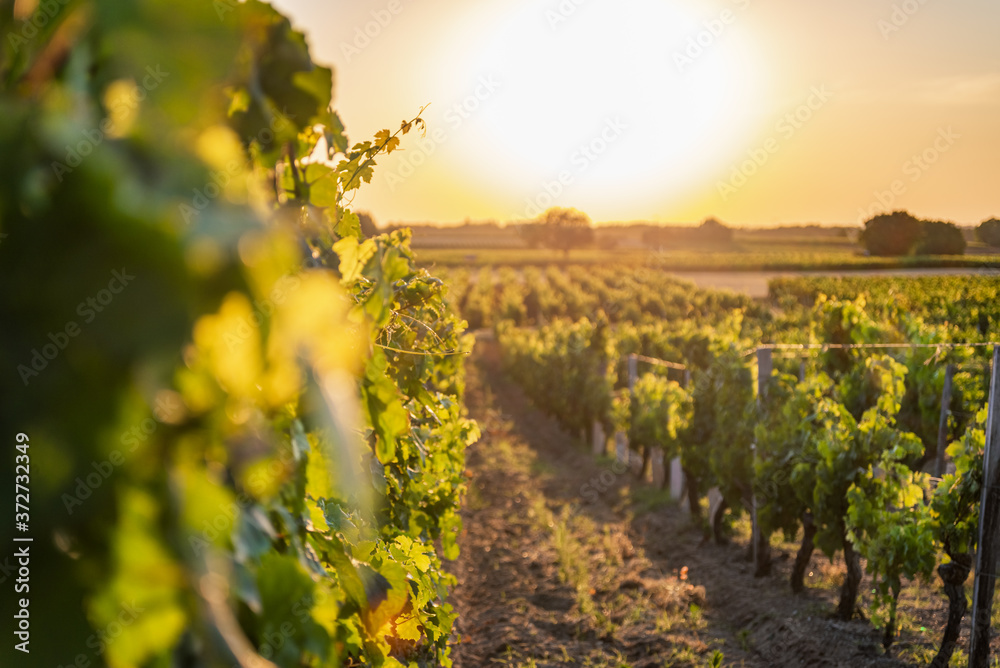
(390, 419)
(383, 139)
(349, 225)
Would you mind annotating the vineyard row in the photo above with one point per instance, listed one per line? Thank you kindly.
(835, 444)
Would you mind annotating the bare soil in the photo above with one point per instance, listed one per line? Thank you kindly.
(567, 560)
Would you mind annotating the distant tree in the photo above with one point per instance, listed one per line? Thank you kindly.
(711, 231)
(893, 233)
(564, 229)
(938, 238)
(989, 232)
(368, 227)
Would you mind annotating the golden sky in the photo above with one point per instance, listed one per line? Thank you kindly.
(758, 113)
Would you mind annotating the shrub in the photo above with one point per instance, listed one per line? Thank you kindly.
(893, 233)
(989, 232)
(940, 238)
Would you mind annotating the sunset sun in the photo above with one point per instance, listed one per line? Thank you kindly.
(599, 105)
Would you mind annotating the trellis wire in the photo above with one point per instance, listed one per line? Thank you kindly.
(848, 346)
(659, 362)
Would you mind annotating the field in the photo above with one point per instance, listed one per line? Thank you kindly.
(534, 295)
(779, 249)
(774, 260)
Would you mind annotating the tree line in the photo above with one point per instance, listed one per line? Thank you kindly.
(895, 234)
(900, 233)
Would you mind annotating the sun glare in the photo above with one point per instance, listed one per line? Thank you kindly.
(617, 108)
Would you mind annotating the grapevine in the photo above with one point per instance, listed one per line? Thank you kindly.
(305, 382)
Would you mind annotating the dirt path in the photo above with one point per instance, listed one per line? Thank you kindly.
(567, 561)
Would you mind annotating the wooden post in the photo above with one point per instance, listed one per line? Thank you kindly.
(676, 478)
(765, 367)
(761, 543)
(621, 448)
(600, 444)
(802, 371)
(677, 481)
(659, 470)
(989, 529)
(633, 377)
(621, 439)
(942, 442)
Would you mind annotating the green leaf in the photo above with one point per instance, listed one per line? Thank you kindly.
(318, 82)
(333, 551)
(354, 255)
(336, 518)
(334, 133)
(246, 587)
(323, 190)
(349, 225)
(286, 590)
(388, 594)
(451, 526)
(254, 534)
(384, 406)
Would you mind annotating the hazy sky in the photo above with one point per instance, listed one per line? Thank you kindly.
(788, 111)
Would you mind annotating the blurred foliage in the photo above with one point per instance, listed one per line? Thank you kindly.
(245, 417)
